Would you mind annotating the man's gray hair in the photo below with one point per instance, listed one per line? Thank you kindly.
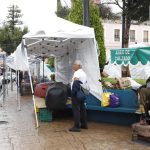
(78, 62)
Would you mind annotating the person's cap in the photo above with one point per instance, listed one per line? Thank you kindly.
(78, 62)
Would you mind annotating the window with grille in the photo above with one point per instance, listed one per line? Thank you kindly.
(145, 36)
(117, 35)
(132, 35)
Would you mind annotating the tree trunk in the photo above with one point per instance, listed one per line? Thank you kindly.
(127, 31)
(125, 70)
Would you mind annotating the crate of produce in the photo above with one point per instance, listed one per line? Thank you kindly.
(45, 115)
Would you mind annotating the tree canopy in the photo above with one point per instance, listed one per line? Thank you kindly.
(133, 10)
(10, 33)
(107, 13)
(9, 41)
(13, 17)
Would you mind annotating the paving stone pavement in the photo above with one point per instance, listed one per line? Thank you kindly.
(19, 132)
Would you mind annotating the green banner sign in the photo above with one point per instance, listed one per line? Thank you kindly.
(130, 55)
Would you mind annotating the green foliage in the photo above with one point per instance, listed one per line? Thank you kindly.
(51, 62)
(62, 12)
(13, 18)
(96, 23)
(76, 12)
(111, 80)
(137, 9)
(9, 41)
(114, 81)
(140, 81)
(5, 39)
(76, 16)
(10, 35)
(107, 13)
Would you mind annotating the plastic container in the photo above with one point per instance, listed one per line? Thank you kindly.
(45, 115)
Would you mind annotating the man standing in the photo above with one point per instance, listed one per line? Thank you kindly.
(78, 98)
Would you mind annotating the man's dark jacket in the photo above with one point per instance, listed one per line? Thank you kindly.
(76, 87)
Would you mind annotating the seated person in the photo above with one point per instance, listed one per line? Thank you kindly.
(144, 92)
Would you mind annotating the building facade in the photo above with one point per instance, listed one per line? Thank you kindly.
(113, 35)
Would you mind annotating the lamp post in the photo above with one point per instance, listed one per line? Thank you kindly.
(86, 20)
(123, 23)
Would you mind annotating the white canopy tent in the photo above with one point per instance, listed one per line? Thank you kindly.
(17, 60)
(67, 42)
(113, 71)
(22, 65)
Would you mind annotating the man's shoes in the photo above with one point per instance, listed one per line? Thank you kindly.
(84, 127)
(74, 129)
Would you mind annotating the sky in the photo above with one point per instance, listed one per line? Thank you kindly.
(31, 9)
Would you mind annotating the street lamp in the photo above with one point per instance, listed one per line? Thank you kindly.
(86, 20)
(123, 23)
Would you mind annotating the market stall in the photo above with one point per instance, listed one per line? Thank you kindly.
(125, 113)
(67, 42)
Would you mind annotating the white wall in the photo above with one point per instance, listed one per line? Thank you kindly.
(110, 43)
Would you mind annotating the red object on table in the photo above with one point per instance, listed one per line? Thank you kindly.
(41, 89)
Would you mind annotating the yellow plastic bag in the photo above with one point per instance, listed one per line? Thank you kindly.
(105, 99)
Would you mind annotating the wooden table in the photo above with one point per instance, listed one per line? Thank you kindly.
(39, 103)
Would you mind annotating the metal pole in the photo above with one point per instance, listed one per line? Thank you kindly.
(43, 68)
(86, 20)
(11, 80)
(33, 98)
(3, 82)
(18, 93)
(17, 85)
(7, 79)
(123, 24)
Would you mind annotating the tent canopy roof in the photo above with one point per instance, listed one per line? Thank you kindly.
(51, 46)
(55, 37)
(130, 55)
(58, 27)
(66, 41)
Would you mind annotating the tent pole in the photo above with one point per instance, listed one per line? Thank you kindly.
(33, 98)
(34, 43)
(37, 123)
(17, 85)
(18, 93)
(3, 82)
(43, 68)
(11, 82)
(7, 79)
